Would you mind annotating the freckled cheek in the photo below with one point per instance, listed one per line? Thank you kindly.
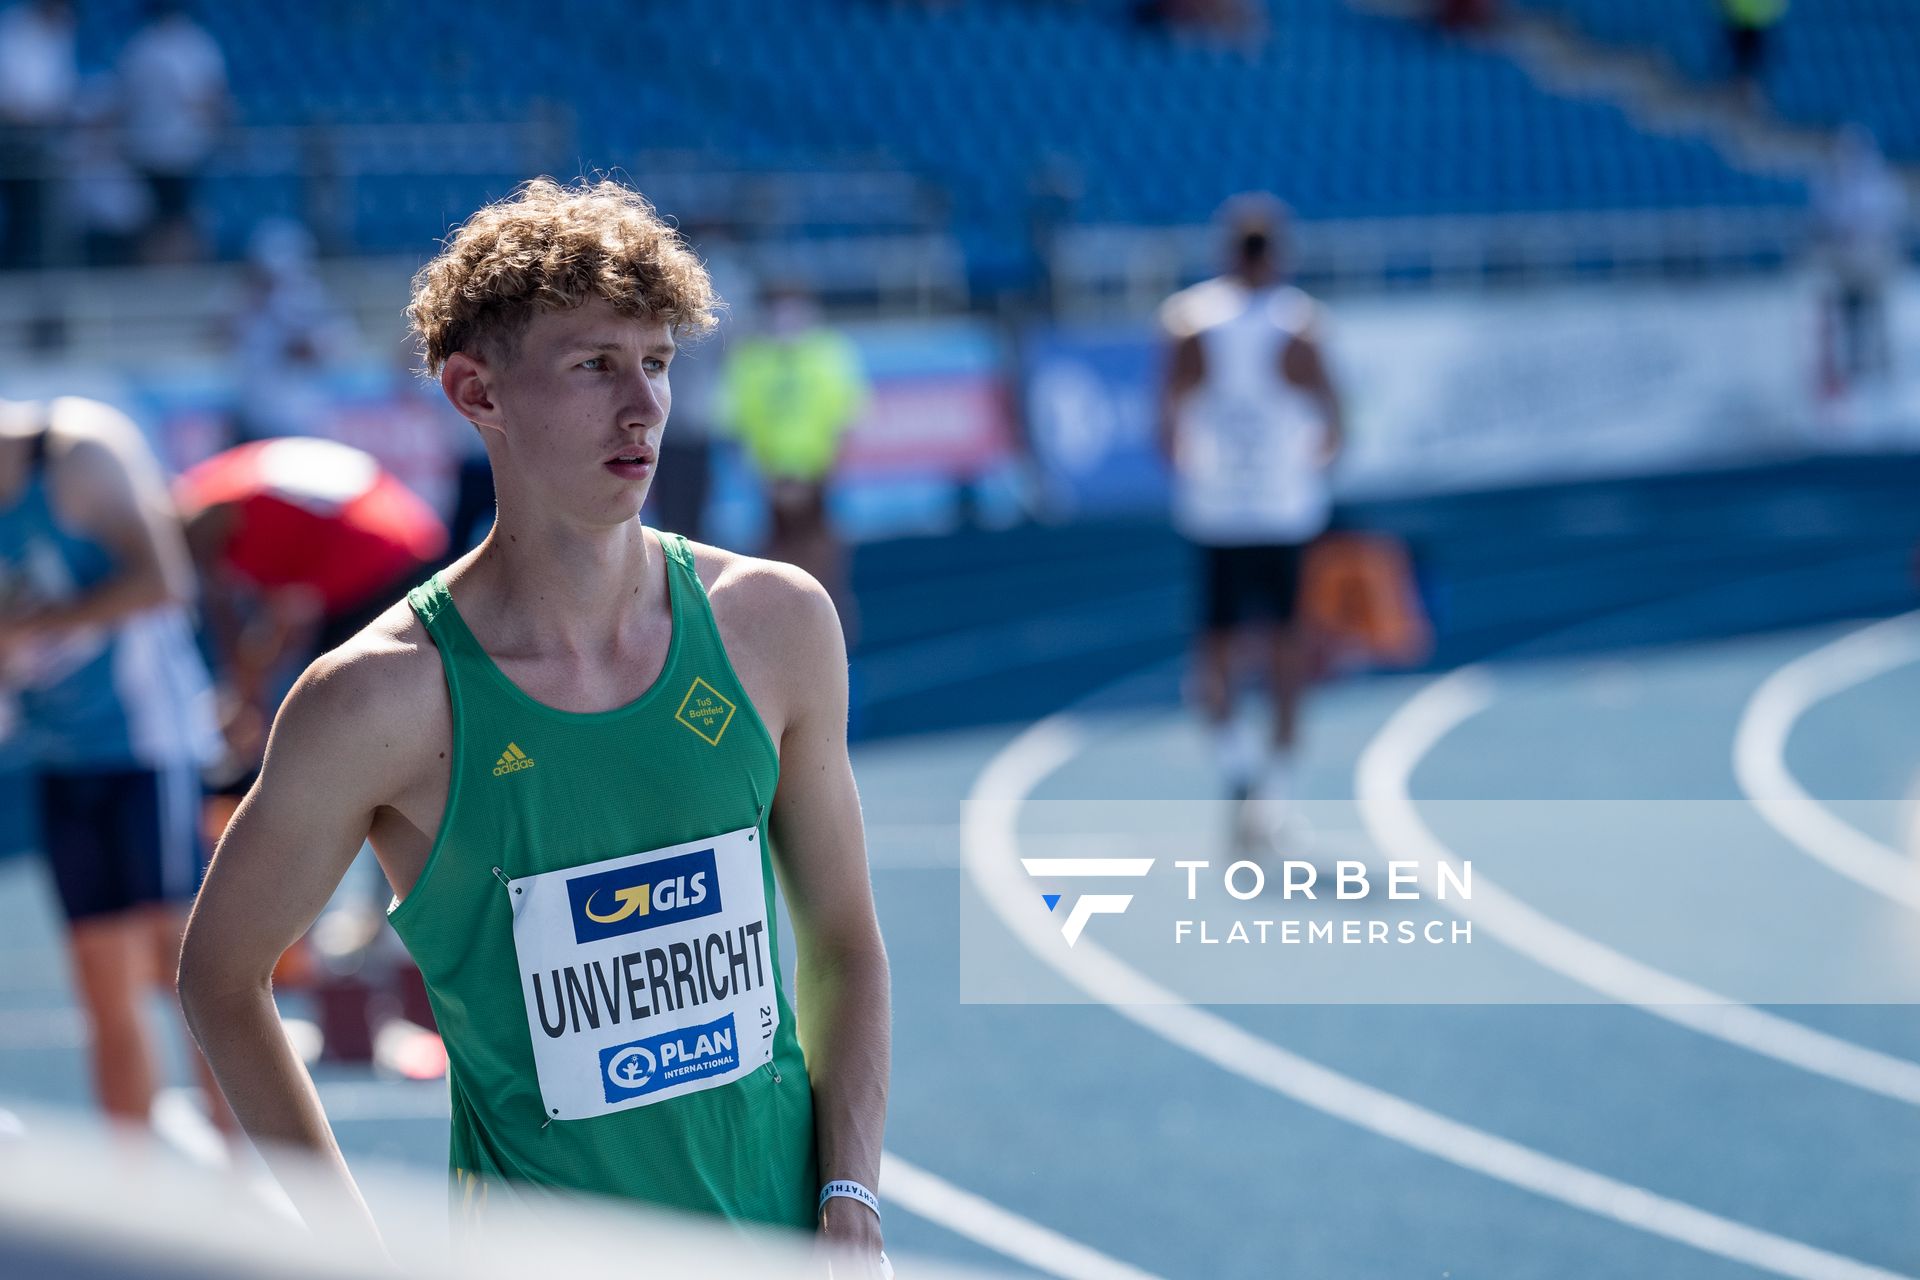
(555, 405)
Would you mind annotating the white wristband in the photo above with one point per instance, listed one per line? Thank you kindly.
(852, 1191)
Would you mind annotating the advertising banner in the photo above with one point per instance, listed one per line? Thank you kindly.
(1479, 390)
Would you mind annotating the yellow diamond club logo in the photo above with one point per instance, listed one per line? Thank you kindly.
(706, 711)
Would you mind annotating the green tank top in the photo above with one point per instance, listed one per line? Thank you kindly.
(595, 925)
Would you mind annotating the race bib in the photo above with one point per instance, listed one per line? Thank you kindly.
(647, 976)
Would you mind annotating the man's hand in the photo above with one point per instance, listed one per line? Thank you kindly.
(852, 1232)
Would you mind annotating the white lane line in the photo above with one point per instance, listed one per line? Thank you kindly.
(990, 853)
(986, 1223)
(1386, 806)
(1760, 754)
(901, 1182)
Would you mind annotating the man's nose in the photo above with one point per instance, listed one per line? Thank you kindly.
(646, 401)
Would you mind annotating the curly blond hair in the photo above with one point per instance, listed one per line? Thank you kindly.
(548, 247)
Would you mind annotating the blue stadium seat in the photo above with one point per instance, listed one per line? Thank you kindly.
(1833, 61)
(1345, 114)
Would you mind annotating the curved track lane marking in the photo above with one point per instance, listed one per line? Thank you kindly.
(1001, 1230)
(1760, 754)
(990, 851)
(1387, 808)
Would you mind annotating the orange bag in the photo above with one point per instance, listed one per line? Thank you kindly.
(1357, 593)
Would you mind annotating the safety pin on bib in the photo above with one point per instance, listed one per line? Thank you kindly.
(519, 892)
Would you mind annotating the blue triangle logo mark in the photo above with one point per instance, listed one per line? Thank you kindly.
(1051, 899)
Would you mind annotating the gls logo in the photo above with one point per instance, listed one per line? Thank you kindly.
(1088, 905)
(666, 895)
(646, 896)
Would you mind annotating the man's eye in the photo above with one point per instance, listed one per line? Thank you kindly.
(594, 364)
(657, 366)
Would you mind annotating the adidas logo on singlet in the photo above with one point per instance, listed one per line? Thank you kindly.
(512, 760)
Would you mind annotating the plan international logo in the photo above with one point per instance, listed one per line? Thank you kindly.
(645, 1066)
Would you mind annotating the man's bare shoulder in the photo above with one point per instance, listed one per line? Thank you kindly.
(96, 450)
(75, 421)
(1198, 308)
(764, 596)
(779, 625)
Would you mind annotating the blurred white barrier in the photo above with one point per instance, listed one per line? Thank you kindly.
(78, 1203)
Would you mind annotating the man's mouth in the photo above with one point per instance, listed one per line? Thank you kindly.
(632, 462)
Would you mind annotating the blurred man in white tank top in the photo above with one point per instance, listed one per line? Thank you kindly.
(1251, 422)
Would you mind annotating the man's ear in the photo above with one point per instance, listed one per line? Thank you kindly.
(466, 379)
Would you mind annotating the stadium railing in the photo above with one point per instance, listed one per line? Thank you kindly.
(1098, 269)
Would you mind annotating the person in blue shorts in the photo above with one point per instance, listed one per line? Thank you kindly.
(110, 703)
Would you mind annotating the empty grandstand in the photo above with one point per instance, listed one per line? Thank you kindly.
(999, 121)
(1835, 62)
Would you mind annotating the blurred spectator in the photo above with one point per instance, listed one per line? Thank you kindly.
(1749, 28)
(106, 201)
(680, 493)
(96, 646)
(1465, 15)
(173, 82)
(792, 392)
(1237, 18)
(1055, 189)
(284, 335)
(39, 77)
(1859, 223)
(299, 544)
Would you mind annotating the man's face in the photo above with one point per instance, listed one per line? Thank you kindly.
(583, 400)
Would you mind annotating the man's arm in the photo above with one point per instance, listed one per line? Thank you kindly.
(331, 756)
(844, 1004)
(1303, 367)
(106, 486)
(1185, 368)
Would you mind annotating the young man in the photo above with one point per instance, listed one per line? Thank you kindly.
(115, 712)
(1251, 422)
(582, 753)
